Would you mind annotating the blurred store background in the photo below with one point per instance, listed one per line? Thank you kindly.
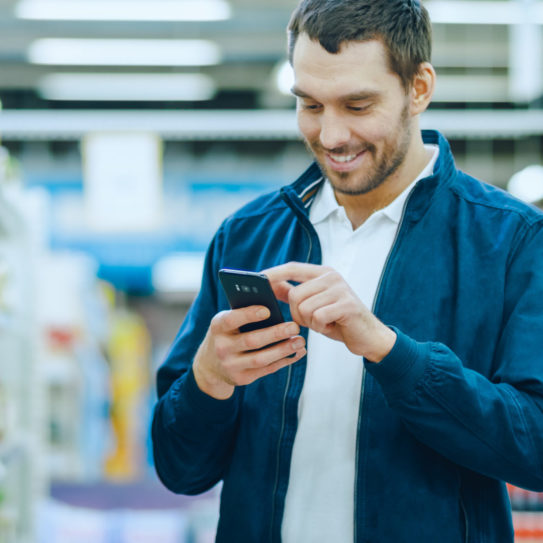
(129, 129)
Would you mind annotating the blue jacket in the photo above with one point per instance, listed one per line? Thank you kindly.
(450, 414)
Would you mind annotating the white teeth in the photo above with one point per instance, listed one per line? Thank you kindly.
(343, 158)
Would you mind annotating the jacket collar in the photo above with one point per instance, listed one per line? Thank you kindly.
(304, 189)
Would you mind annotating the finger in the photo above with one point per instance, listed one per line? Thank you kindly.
(322, 302)
(258, 339)
(281, 290)
(345, 313)
(270, 355)
(305, 291)
(295, 271)
(297, 294)
(230, 321)
(283, 363)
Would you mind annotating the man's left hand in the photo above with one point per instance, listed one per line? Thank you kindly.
(324, 302)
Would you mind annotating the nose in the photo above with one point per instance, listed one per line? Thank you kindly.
(334, 132)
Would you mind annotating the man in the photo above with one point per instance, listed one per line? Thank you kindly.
(418, 294)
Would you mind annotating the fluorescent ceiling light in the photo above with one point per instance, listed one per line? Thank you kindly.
(284, 78)
(527, 184)
(124, 10)
(484, 13)
(127, 87)
(119, 52)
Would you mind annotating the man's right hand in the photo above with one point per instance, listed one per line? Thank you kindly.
(228, 358)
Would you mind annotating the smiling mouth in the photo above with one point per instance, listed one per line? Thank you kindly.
(342, 159)
(344, 162)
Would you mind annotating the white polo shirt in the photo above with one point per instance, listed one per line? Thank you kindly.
(320, 497)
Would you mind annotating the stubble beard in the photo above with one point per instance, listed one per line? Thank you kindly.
(393, 156)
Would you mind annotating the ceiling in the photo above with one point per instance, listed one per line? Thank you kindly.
(252, 42)
(474, 61)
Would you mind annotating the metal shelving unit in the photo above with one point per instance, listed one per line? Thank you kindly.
(19, 441)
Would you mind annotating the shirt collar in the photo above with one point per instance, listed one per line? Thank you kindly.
(394, 210)
(325, 202)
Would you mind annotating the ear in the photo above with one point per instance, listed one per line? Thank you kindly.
(422, 88)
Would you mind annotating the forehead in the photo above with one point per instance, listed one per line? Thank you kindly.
(356, 65)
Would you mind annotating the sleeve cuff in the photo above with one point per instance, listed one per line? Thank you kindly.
(400, 371)
(189, 402)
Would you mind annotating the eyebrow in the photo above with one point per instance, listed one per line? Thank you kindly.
(351, 97)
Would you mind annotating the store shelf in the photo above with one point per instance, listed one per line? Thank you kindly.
(170, 125)
(9, 325)
(19, 447)
(67, 125)
(143, 511)
(13, 448)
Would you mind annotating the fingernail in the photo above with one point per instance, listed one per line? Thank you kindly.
(262, 313)
(298, 344)
(292, 329)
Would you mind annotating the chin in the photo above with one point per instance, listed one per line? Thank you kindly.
(341, 183)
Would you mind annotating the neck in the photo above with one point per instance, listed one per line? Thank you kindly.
(359, 207)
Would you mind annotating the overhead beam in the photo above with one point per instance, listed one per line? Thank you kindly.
(70, 125)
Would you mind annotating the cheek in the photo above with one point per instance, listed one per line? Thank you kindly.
(376, 129)
(309, 126)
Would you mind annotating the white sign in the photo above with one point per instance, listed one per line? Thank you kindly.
(122, 175)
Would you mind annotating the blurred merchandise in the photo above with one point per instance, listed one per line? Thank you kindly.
(525, 500)
(528, 527)
(95, 405)
(73, 367)
(527, 514)
(63, 523)
(129, 354)
(141, 512)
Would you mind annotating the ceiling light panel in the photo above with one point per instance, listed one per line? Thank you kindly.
(118, 52)
(126, 87)
(124, 10)
(484, 12)
(284, 78)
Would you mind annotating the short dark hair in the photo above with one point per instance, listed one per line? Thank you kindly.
(403, 26)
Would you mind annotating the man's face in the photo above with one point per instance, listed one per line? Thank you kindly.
(352, 111)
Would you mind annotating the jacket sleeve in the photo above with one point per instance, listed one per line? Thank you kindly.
(490, 425)
(192, 433)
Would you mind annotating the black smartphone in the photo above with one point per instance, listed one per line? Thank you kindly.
(244, 288)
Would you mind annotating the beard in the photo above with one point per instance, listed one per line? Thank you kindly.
(394, 151)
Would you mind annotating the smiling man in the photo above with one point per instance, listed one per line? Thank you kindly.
(406, 385)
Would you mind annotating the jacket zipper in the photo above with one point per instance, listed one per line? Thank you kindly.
(283, 417)
(466, 522)
(374, 306)
(357, 455)
(284, 406)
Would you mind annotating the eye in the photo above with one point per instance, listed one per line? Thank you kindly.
(358, 109)
(306, 104)
(310, 107)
